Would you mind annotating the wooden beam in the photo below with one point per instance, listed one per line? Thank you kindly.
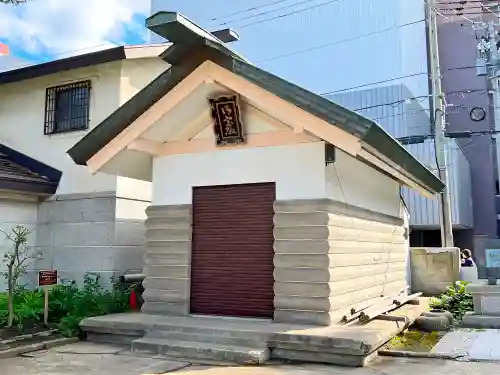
(285, 111)
(148, 118)
(146, 145)
(266, 118)
(192, 128)
(279, 138)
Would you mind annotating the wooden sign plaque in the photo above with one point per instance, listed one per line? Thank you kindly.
(228, 128)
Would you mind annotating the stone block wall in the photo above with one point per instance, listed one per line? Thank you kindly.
(168, 260)
(81, 233)
(329, 256)
(434, 269)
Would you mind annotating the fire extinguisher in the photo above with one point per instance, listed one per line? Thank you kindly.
(136, 300)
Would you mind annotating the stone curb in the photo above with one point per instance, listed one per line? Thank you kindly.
(15, 352)
(28, 336)
(409, 354)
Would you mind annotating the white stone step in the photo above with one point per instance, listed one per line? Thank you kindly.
(163, 331)
(200, 350)
(215, 337)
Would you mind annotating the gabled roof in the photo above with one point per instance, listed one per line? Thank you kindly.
(192, 44)
(21, 173)
(81, 61)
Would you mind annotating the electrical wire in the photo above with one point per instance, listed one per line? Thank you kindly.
(293, 53)
(269, 11)
(288, 14)
(247, 10)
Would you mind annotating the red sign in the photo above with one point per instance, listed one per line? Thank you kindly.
(47, 278)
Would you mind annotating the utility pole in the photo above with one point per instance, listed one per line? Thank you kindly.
(439, 118)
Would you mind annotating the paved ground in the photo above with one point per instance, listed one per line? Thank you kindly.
(471, 344)
(85, 359)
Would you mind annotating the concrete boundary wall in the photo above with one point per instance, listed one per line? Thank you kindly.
(433, 269)
(97, 232)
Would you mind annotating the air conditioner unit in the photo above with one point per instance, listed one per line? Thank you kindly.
(481, 69)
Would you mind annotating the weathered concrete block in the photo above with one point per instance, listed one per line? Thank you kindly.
(298, 246)
(355, 296)
(167, 283)
(170, 222)
(129, 233)
(83, 234)
(302, 289)
(434, 269)
(312, 232)
(323, 304)
(181, 271)
(335, 207)
(486, 299)
(166, 259)
(166, 308)
(348, 286)
(305, 274)
(168, 234)
(89, 209)
(330, 358)
(106, 258)
(358, 259)
(302, 260)
(170, 247)
(319, 318)
(182, 210)
(152, 295)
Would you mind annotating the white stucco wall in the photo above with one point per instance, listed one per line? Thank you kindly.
(135, 75)
(298, 171)
(351, 181)
(22, 113)
(15, 212)
(138, 73)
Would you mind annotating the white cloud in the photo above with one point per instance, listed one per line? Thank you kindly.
(63, 26)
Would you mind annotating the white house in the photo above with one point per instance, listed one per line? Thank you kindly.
(79, 222)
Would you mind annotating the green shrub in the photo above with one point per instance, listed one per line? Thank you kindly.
(68, 304)
(456, 300)
(91, 300)
(28, 308)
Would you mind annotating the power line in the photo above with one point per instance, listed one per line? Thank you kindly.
(267, 12)
(459, 2)
(293, 53)
(422, 98)
(374, 83)
(248, 10)
(288, 14)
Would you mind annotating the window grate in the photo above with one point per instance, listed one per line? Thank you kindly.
(67, 107)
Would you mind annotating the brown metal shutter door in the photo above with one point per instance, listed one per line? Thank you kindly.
(232, 250)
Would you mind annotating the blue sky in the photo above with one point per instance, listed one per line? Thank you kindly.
(44, 30)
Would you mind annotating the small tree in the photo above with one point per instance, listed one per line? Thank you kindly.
(16, 263)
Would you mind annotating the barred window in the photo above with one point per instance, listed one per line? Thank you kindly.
(67, 108)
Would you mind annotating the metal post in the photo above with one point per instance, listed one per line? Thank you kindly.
(439, 116)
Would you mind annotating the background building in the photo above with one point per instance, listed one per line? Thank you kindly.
(372, 56)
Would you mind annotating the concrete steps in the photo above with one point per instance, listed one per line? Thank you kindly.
(201, 350)
(224, 338)
(205, 343)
